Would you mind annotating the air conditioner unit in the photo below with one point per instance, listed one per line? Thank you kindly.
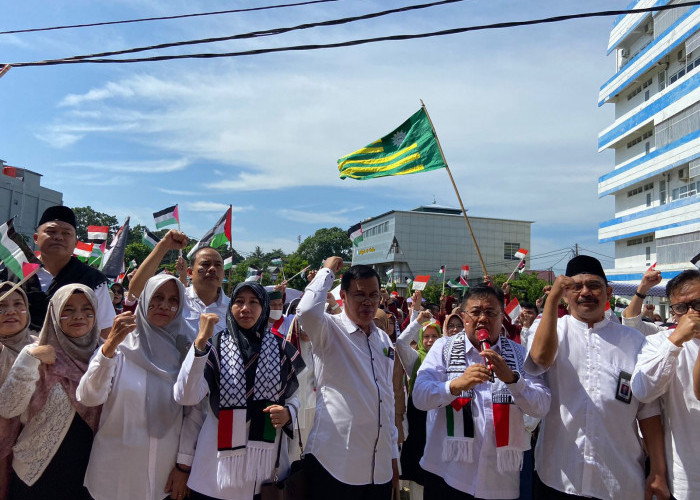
(683, 174)
(624, 53)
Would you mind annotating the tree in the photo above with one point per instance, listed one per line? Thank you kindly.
(136, 251)
(86, 216)
(325, 242)
(527, 287)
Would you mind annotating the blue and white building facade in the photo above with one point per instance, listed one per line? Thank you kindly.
(656, 140)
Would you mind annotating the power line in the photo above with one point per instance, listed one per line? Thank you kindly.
(271, 32)
(181, 16)
(511, 24)
(598, 253)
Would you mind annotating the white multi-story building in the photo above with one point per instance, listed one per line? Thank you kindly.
(656, 139)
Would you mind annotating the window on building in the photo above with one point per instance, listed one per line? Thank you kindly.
(662, 80)
(634, 241)
(634, 191)
(648, 239)
(662, 192)
(648, 254)
(648, 199)
(509, 250)
(375, 230)
(639, 139)
(632, 94)
(649, 186)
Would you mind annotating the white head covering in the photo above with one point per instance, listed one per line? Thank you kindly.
(160, 352)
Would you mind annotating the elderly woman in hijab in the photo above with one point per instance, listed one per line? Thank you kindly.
(52, 451)
(423, 330)
(14, 335)
(143, 447)
(249, 375)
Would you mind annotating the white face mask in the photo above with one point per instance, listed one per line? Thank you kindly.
(275, 314)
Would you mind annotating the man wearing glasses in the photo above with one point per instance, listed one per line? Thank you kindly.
(475, 436)
(588, 444)
(665, 370)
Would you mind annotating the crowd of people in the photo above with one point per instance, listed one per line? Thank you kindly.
(171, 389)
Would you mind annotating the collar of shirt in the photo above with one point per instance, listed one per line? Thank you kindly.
(351, 327)
(584, 325)
(192, 294)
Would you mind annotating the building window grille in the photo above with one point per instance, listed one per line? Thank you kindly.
(662, 192)
(648, 199)
(634, 191)
(509, 250)
(648, 253)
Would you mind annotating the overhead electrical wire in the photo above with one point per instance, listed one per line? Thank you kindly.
(90, 58)
(271, 32)
(165, 18)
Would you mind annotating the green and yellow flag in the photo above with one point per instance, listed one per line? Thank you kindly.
(409, 149)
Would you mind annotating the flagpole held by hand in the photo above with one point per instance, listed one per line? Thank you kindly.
(17, 285)
(459, 198)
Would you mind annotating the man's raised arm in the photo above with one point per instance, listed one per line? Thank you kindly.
(173, 240)
(312, 306)
(650, 279)
(546, 341)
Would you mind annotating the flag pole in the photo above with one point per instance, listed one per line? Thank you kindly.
(444, 273)
(17, 285)
(297, 274)
(230, 247)
(177, 207)
(516, 268)
(459, 198)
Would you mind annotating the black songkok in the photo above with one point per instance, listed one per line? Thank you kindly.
(585, 264)
(58, 213)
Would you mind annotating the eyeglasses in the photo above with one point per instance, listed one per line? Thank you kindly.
(371, 299)
(489, 313)
(593, 286)
(683, 307)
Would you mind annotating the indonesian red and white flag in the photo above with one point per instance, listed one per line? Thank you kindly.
(521, 253)
(513, 309)
(419, 282)
(98, 233)
(83, 250)
(465, 271)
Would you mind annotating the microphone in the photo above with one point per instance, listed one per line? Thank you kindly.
(485, 343)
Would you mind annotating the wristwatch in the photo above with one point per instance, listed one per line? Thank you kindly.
(517, 377)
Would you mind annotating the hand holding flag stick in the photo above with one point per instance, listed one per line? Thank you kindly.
(28, 270)
(297, 274)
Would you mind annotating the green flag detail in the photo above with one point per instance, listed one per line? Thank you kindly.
(409, 149)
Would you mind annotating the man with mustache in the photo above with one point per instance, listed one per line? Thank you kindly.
(588, 444)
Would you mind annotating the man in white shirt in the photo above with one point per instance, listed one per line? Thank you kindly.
(278, 322)
(588, 444)
(352, 451)
(476, 434)
(206, 270)
(665, 370)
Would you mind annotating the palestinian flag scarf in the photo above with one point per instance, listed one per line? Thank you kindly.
(509, 428)
(247, 371)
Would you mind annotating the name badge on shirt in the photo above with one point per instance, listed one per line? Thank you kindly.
(624, 390)
(389, 352)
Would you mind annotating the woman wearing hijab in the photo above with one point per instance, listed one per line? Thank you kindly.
(117, 290)
(453, 324)
(52, 451)
(143, 447)
(424, 330)
(248, 375)
(14, 335)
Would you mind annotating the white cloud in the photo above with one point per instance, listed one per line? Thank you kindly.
(144, 167)
(211, 206)
(178, 192)
(320, 216)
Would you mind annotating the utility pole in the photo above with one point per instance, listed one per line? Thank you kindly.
(575, 249)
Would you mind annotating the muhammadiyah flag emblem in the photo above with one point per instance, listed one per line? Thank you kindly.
(409, 149)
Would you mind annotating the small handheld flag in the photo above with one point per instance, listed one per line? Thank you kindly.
(355, 234)
(521, 253)
(149, 239)
(14, 252)
(166, 217)
(98, 233)
(513, 309)
(83, 250)
(420, 281)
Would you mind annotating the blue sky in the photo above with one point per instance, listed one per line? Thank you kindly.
(515, 111)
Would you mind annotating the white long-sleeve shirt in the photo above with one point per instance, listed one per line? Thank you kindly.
(126, 462)
(665, 371)
(353, 436)
(407, 354)
(194, 308)
(192, 388)
(431, 392)
(588, 443)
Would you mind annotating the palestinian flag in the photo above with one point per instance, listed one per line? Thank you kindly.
(276, 262)
(83, 250)
(166, 217)
(228, 262)
(521, 253)
(15, 253)
(217, 236)
(98, 233)
(149, 239)
(254, 274)
(696, 261)
(419, 282)
(114, 256)
(355, 234)
(457, 284)
(97, 255)
(513, 309)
